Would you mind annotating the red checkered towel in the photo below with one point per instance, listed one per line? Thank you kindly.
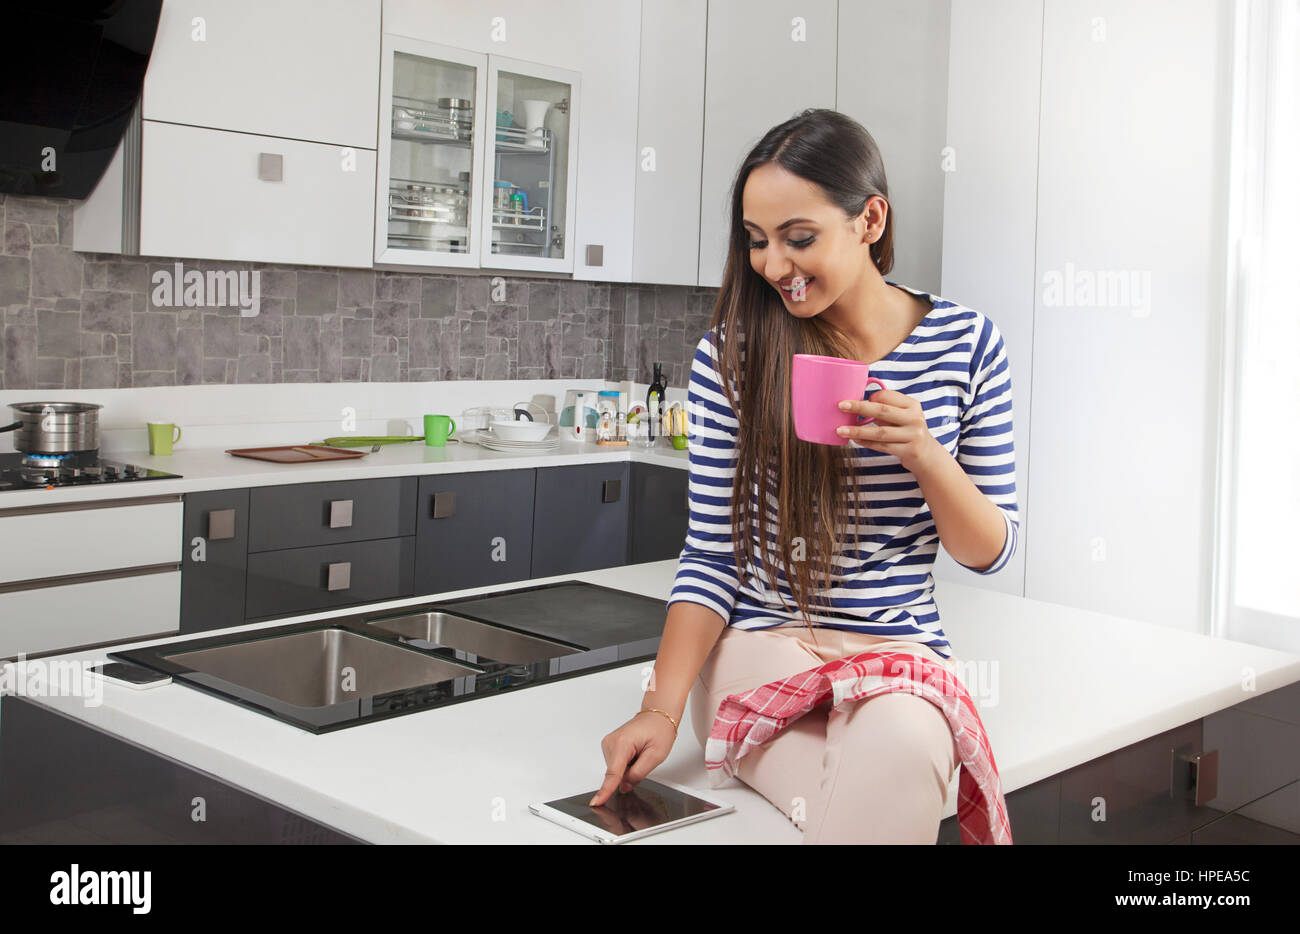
(753, 717)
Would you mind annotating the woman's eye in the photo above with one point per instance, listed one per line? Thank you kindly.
(797, 244)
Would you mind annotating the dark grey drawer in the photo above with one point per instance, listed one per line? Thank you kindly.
(298, 580)
(307, 514)
(580, 518)
(1136, 784)
(474, 529)
(659, 515)
(215, 548)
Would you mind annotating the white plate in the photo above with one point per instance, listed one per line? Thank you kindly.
(485, 438)
(505, 450)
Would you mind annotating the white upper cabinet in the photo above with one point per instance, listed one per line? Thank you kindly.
(431, 139)
(766, 61)
(302, 69)
(899, 92)
(670, 141)
(532, 166)
(213, 194)
(580, 58)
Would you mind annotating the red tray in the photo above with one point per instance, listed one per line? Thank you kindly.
(297, 453)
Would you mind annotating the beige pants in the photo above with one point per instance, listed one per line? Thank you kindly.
(873, 771)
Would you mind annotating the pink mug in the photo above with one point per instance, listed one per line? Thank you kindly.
(817, 384)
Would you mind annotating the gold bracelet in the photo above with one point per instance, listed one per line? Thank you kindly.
(665, 713)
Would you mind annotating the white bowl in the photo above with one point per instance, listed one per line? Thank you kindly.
(520, 430)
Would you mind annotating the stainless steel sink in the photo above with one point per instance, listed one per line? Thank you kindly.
(320, 667)
(438, 628)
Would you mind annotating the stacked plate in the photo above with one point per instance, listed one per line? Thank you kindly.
(485, 438)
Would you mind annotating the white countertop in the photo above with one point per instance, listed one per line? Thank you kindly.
(1056, 686)
(214, 469)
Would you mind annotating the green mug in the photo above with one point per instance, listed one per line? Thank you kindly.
(437, 429)
(162, 435)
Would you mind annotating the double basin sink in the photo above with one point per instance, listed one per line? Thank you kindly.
(320, 667)
(332, 673)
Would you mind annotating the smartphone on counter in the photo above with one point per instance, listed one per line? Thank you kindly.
(650, 807)
(128, 675)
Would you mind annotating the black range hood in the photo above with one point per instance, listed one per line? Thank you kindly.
(70, 76)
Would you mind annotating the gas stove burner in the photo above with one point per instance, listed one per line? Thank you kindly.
(47, 460)
(25, 470)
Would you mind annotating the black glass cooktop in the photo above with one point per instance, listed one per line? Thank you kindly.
(75, 469)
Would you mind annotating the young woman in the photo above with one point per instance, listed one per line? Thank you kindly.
(850, 532)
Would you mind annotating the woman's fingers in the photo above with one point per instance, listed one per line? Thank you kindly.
(616, 759)
(886, 434)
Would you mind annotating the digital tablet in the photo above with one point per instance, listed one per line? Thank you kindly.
(650, 807)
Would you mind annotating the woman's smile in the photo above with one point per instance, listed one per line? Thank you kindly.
(789, 286)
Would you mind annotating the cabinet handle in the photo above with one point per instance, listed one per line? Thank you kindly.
(339, 576)
(340, 514)
(444, 504)
(611, 491)
(270, 166)
(221, 525)
(1196, 776)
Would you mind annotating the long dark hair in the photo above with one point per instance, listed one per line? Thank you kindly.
(806, 481)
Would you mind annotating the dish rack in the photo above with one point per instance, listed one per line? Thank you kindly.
(415, 119)
(428, 202)
(533, 219)
(518, 139)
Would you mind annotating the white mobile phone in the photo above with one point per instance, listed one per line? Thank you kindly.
(650, 807)
(125, 674)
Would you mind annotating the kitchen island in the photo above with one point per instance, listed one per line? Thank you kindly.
(1051, 691)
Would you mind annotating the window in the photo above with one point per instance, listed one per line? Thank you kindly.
(1257, 582)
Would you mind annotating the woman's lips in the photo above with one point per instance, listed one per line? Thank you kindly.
(796, 284)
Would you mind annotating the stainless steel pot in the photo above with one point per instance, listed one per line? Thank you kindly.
(55, 427)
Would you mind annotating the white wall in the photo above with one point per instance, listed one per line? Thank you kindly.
(989, 212)
(1133, 129)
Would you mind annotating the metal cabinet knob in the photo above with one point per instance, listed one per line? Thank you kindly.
(338, 576)
(444, 504)
(1195, 775)
(270, 166)
(340, 513)
(221, 524)
(611, 491)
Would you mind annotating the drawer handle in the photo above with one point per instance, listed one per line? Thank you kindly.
(444, 504)
(339, 576)
(1195, 776)
(611, 491)
(340, 514)
(270, 166)
(221, 525)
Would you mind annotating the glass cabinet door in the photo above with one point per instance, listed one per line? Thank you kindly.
(427, 211)
(530, 168)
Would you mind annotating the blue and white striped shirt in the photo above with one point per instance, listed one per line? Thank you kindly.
(955, 364)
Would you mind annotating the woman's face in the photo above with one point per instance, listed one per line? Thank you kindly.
(800, 243)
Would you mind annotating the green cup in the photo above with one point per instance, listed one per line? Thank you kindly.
(162, 435)
(437, 429)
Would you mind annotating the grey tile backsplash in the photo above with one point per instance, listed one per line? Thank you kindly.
(90, 320)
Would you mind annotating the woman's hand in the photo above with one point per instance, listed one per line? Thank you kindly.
(899, 427)
(644, 741)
